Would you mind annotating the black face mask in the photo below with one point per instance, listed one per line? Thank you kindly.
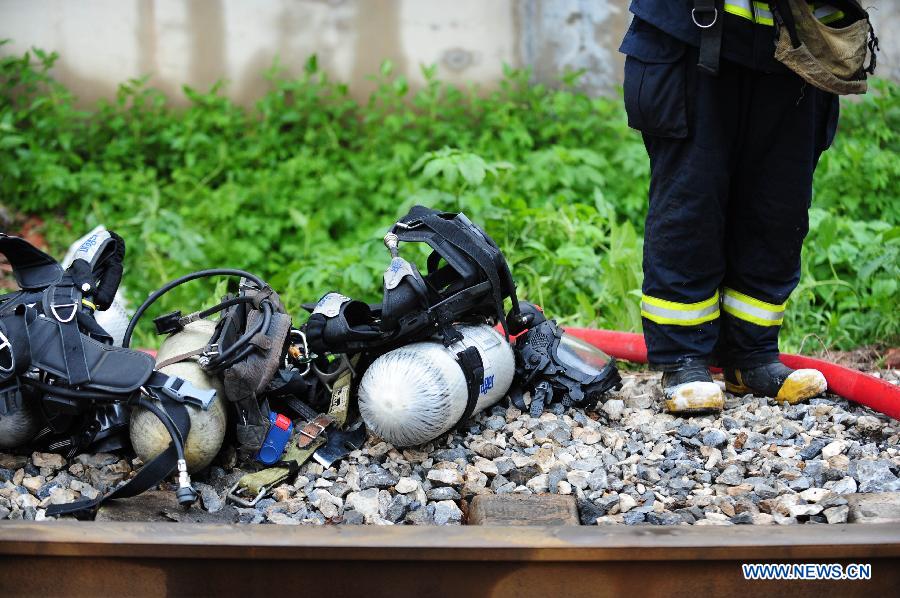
(556, 366)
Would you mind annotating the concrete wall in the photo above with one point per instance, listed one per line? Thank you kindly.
(105, 42)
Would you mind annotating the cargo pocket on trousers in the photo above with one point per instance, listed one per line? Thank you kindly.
(655, 82)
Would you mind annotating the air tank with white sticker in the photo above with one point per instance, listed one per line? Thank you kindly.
(413, 394)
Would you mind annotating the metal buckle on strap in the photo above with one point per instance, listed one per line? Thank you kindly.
(185, 392)
(713, 22)
(412, 224)
(4, 346)
(59, 318)
(319, 424)
(210, 351)
(315, 435)
(234, 495)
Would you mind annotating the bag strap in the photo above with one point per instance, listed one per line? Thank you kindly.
(784, 17)
(473, 369)
(707, 17)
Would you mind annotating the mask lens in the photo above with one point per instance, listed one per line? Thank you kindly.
(579, 355)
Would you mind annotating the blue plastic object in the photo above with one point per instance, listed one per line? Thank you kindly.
(279, 434)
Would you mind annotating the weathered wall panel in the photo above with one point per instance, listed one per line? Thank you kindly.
(104, 42)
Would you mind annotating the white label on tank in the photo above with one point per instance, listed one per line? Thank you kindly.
(330, 305)
(88, 249)
(396, 272)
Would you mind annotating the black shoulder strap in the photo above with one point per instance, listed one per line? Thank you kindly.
(707, 17)
(465, 243)
(33, 269)
(784, 16)
(473, 369)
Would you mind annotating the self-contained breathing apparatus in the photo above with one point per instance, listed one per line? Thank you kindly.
(265, 370)
(58, 361)
(466, 281)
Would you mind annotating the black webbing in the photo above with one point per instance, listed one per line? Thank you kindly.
(473, 369)
(61, 304)
(782, 9)
(465, 243)
(709, 19)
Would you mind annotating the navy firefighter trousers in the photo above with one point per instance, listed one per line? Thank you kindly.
(732, 160)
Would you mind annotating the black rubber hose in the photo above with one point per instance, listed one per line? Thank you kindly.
(167, 422)
(228, 356)
(126, 340)
(222, 306)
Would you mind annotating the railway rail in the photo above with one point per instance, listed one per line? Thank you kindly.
(128, 559)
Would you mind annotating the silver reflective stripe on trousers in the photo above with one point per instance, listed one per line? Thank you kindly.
(758, 312)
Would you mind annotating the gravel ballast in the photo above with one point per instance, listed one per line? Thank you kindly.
(625, 463)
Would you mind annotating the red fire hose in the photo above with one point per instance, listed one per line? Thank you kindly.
(850, 384)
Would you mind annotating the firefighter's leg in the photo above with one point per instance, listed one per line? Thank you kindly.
(790, 124)
(684, 260)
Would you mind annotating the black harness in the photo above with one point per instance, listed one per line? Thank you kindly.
(53, 350)
(467, 279)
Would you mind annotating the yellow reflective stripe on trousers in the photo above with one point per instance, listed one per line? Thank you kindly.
(761, 12)
(740, 8)
(662, 311)
(827, 13)
(745, 307)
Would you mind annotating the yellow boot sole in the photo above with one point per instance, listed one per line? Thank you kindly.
(695, 397)
(800, 386)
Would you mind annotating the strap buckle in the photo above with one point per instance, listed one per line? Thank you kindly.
(234, 495)
(313, 436)
(185, 392)
(715, 18)
(59, 318)
(412, 224)
(6, 345)
(313, 429)
(208, 353)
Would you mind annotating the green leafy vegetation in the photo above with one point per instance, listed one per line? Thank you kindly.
(301, 188)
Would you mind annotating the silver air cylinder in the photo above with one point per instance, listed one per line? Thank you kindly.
(148, 435)
(413, 394)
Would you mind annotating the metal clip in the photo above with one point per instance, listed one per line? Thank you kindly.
(328, 378)
(715, 18)
(304, 355)
(234, 495)
(303, 431)
(72, 306)
(204, 358)
(4, 345)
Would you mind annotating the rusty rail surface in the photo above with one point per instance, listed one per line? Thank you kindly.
(125, 559)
